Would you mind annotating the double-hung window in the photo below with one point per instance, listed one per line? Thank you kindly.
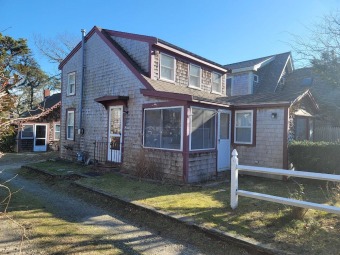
(244, 127)
(27, 132)
(163, 128)
(195, 76)
(70, 125)
(57, 131)
(203, 127)
(216, 83)
(167, 67)
(71, 84)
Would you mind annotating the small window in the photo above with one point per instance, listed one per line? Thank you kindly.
(195, 76)
(71, 84)
(163, 128)
(70, 125)
(203, 126)
(27, 132)
(216, 83)
(243, 127)
(256, 78)
(167, 67)
(57, 132)
(307, 81)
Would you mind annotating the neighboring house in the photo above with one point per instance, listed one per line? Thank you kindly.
(261, 75)
(139, 95)
(39, 128)
(326, 94)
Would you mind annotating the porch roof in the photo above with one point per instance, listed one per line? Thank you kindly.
(105, 100)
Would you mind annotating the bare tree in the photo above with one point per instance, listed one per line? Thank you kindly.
(56, 49)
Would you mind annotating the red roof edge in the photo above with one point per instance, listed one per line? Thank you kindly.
(143, 38)
(99, 31)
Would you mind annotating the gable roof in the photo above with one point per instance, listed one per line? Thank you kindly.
(44, 108)
(270, 70)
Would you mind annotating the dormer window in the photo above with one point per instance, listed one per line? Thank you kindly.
(216, 83)
(195, 76)
(256, 78)
(167, 67)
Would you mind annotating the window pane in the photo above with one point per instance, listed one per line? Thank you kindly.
(301, 129)
(152, 130)
(244, 127)
(224, 125)
(216, 82)
(167, 67)
(171, 133)
(202, 129)
(70, 132)
(70, 118)
(27, 131)
(243, 135)
(243, 119)
(163, 128)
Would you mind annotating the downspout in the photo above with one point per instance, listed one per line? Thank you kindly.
(82, 81)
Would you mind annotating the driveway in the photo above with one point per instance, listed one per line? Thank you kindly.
(128, 237)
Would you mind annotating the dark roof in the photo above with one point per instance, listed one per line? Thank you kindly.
(50, 102)
(270, 74)
(284, 97)
(247, 63)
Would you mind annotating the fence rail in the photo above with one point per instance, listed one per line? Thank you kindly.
(107, 152)
(235, 192)
(327, 134)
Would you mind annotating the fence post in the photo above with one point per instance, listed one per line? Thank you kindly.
(234, 180)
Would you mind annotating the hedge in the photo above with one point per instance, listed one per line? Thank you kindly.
(321, 157)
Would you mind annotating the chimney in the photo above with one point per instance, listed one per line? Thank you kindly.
(46, 93)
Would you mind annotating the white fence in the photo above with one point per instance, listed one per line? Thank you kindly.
(235, 192)
(327, 134)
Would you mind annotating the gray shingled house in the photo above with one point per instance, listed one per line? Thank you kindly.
(39, 128)
(135, 99)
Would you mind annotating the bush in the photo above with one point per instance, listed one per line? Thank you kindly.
(7, 142)
(322, 157)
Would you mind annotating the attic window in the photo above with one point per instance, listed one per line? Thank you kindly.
(256, 78)
(167, 67)
(307, 81)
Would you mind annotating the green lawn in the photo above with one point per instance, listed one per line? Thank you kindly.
(263, 221)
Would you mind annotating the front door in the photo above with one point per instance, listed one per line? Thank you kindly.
(115, 134)
(223, 142)
(40, 137)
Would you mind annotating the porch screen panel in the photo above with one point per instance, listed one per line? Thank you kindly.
(203, 129)
(162, 128)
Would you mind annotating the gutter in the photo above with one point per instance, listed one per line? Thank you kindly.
(81, 129)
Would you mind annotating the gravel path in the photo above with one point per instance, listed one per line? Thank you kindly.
(128, 237)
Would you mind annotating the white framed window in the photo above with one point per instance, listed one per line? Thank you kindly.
(256, 78)
(216, 83)
(56, 131)
(70, 125)
(167, 67)
(203, 129)
(243, 127)
(71, 84)
(27, 131)
(194, 76)
(163, 128)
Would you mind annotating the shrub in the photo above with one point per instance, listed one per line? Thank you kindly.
(7, 142)
(322, 157)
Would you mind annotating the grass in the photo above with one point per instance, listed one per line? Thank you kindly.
(55, 235)
(263, 221)
(61, 167)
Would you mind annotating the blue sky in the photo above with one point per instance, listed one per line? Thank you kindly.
(223, 31)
